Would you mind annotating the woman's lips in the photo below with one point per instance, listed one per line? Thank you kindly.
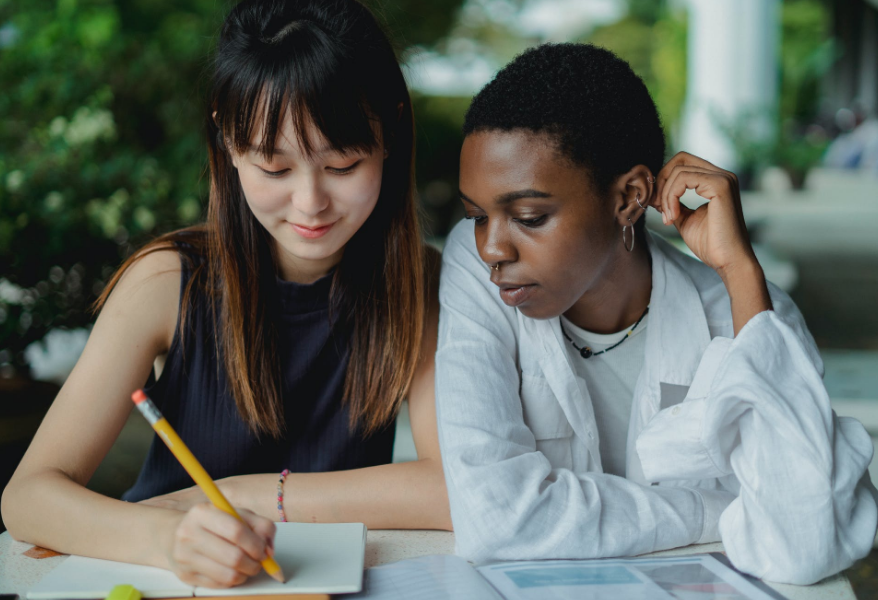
(513, 295)
(311, 233)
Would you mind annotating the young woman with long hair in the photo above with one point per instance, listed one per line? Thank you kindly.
(599, 392)
(283, 333)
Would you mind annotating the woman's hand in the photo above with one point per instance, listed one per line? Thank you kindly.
(211, 548)
(715, 231)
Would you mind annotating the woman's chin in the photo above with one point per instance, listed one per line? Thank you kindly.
(539, 312)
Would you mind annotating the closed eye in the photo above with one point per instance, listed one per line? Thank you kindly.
(273, 173)
(532, 222)
(344, 170)
(479, 219)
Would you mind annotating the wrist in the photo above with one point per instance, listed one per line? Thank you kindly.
(748, 291)
(165, 539)
(230, 488)
(746, 270)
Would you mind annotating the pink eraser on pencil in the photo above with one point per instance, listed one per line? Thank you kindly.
(139, 397)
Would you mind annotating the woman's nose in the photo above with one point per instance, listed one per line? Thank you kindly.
(308, 196)
(495, 244)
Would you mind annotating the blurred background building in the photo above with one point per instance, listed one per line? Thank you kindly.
(101, 149)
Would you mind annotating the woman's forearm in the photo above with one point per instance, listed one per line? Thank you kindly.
(409, 495)
(50, 510)
(748, 292)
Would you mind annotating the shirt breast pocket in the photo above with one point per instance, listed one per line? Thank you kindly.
(545, 418)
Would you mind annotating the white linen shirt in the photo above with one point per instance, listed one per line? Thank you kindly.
(730, 437)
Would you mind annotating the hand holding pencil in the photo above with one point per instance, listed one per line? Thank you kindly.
(212, 561)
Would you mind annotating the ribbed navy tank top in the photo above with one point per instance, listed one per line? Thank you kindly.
(192, 393)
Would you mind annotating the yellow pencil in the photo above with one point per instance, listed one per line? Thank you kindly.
(194, 468)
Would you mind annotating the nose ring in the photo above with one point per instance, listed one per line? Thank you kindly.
(495, 267)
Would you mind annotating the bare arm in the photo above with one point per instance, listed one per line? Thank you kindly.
(47, 503)
(408, 495)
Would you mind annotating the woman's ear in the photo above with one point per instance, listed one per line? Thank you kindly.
(633, 190)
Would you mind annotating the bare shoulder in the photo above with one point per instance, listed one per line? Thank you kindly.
(146, 298)
(152, 272)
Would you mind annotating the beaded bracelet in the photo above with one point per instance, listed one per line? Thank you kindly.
(280, 495)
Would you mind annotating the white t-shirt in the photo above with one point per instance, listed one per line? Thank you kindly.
(610, 378)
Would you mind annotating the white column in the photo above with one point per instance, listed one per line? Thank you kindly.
(732, 73)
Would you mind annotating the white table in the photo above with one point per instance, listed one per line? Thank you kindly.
(19, 573)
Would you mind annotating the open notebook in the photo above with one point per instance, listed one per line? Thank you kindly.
(322, 558)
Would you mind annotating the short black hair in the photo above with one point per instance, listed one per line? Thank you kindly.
(599, 112)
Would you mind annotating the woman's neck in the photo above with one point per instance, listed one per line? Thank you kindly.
(306, 271)
(619, 298)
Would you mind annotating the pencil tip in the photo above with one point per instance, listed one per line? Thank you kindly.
(278, 576)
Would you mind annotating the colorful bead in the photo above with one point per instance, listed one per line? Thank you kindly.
(280, 495)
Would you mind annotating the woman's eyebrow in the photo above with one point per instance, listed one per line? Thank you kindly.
(509, 197)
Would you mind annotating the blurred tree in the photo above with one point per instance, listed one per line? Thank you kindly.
(652, 39)
(416, 22)
(807, 53)
(438, 122)
(100, 146)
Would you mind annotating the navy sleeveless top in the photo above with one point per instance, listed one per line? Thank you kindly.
(192, 393)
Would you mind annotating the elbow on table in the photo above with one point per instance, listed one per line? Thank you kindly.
(9, 511)
(803, 559)
(805, 567)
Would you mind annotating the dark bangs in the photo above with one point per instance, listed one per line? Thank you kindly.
(296, 71)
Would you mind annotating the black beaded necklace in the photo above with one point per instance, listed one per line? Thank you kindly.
(586, 352)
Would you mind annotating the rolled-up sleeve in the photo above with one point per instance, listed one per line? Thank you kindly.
(758, 411)
(508, 502)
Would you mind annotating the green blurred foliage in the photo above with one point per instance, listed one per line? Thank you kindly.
(415, 22)
(807, 53)
(100, 146)
(438, 122)
(652, 39)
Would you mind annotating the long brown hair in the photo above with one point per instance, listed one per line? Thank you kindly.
(325, 63)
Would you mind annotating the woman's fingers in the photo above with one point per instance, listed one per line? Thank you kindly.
(204, 571)
(682, 161)
(262, 527)
(215, 545)
(712, 186)
(681, 179)
(226, 554)
(235, 532)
